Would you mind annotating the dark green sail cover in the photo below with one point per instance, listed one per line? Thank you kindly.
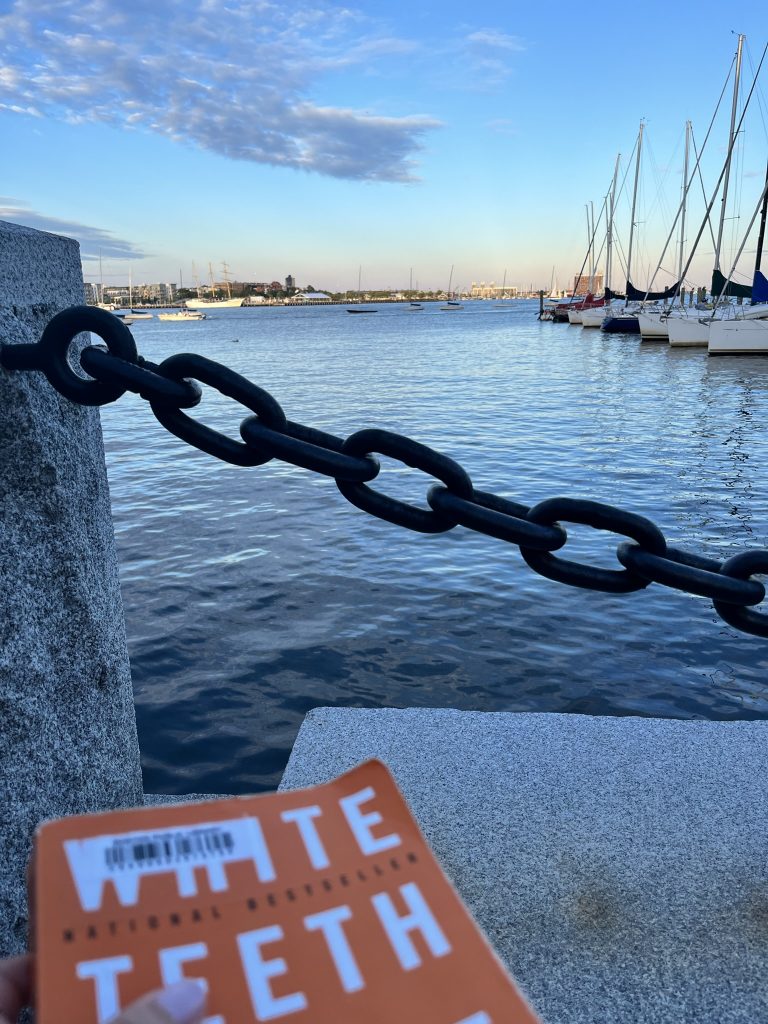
(733, 290)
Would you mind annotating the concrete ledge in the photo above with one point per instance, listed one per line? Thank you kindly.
(618, 865)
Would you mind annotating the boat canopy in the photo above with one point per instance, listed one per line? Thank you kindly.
(759, 288)
(720, 286)
(611, 294)
(639, 295)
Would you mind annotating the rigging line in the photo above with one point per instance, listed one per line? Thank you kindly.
(626, 172)
(703, 190)
(760, 97)
(696, 168)
(591, 243)
(743, 244)
(725, 165)
(661, 180)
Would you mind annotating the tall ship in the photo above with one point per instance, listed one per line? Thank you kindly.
(213, 302)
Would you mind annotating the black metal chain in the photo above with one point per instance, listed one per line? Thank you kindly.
(267, 434)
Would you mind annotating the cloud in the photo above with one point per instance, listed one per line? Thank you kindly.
(236, 77)
(494, 40)
(478, 60)
(93, 241)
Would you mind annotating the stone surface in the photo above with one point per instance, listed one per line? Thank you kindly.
(67, 725)
(618, 865)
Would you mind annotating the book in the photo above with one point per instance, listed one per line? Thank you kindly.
(315, 906)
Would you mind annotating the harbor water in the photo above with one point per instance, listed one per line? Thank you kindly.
(254, 595)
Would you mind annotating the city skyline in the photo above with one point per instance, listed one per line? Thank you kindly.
(324, 139)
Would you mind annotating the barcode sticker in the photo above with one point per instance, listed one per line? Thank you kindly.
(131, 853)
(123, 859)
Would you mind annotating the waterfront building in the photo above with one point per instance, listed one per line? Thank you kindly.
(482, 290)
(311, 297)
(290, 282)
(91, 293)
(582, 284)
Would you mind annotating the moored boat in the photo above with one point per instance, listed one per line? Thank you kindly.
(214, 303)
(653, 325)
(688, 331)
(738, 337)
(184, 314)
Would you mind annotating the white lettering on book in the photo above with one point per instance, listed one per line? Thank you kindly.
(172, 962)
(104, 974)
(260, 968)
(329, 922)
(361, 824)
(124, 858)
(258, 971)
(302, 817)
(420, 919)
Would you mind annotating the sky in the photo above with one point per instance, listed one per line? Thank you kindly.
(391, 141)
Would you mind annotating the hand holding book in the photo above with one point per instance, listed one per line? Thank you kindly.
(304, 907)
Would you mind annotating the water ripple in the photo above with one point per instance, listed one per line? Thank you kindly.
(254, 595)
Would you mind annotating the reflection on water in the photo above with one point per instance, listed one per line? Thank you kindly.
(254, 595)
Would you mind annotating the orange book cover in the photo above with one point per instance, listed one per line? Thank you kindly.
(314, 906)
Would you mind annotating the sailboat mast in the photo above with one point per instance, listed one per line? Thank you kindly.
(609, 233)
(683, 202)
(731, 143)
(589, 248)
(761, 235)
(634, 206)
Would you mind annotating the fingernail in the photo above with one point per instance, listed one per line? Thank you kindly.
(184, 1002)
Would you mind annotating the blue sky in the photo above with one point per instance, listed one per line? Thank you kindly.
(311, 138)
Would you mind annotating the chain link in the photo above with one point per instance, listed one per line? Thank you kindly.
(266, 434)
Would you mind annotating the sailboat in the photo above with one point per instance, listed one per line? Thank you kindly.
(451, 304)
(130, 316)
(360, 309)
(595, 315)
(747, 332)
(213, 302)
(653, 323)
(687, 331)
(625, 322)
(504, 305)
(412, 306)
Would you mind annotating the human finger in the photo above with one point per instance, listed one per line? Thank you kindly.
(15, 987)
(183, 1003)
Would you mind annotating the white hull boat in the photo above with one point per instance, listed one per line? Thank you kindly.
(593, 317)
(653, 327)
(687, 332)
(185, 314)
(738, 337)
(214, 303)
(574, 316)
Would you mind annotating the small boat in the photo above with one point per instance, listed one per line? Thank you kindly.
(130, 317)
(450, 303)
(184, 314)
(362, 309)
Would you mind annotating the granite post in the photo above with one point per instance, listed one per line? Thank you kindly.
(67, 723)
